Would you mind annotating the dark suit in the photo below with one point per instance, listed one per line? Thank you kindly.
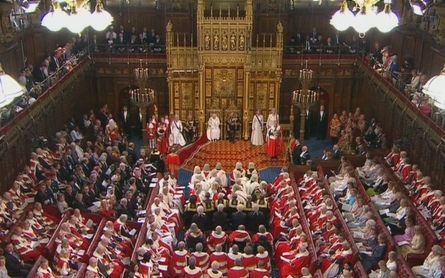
(254, 220)
(322, 124)
(39, 75)
(53, 64)
(220, 219)
(14, 266)
(238, 218)
(202, 221)
(82, 206)
(132, 156)
(125, 123)
(41, 197)
(125, 210)
(296, 159)
(336, 155)
(377, 254)
(304, 157)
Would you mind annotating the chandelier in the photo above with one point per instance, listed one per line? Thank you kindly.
(366, 17)
(9, 88)
(304, 98)
(434, 88)
(75, 18)
(143, 97)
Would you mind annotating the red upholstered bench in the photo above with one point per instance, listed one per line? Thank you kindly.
(403, 268)
(33, 272)
(94, 241)
(51, 246)
(359, 271)
(81, 271)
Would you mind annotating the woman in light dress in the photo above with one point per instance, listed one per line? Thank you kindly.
(213, 130)
(273, 119)
(257, 129)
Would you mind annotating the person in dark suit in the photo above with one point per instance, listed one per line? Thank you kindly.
(335, 152)
(238, 218)
(39, 73)
(14, 264)
(42, 195)
(123, 208)
(132, 156)
(322, 123)
(304, 156)
(377, 253)
(54, 64)
(80, 204)
(296, 160)
(255, 218)
(201, 219)
(125, 121)
(86, 196)
(220, 218)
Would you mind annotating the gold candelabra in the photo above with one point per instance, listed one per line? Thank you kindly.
(143, 96)
(304, 99)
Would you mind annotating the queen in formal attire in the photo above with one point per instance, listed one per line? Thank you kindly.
(257, 129)
(176, 137)
(213, 130)
(273, 119)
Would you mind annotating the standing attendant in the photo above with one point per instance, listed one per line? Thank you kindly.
(274, 141)
(296, 152)
(151, 133)
(176, 137)
(257, 129)
(125, 121)
(189, 129)
(232, 126)
(213, 130)
(322, 123)
(273, 119)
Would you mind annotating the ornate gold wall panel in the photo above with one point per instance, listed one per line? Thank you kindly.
(225, 71)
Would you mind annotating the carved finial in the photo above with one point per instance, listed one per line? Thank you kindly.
(280, 27)
(169, 26)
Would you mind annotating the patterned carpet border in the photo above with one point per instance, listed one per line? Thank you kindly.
(229, 153)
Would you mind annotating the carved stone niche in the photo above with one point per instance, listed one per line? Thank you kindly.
(7, 32)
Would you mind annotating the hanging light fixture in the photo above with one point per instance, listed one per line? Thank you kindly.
(434, 88)
(79, 19)
(343, 18)
(365, 18)
(54, 19)
(9, 88)
(101, 19)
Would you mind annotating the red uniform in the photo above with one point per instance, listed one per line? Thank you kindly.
(221, 258)
(237, 272)
(179, 262)
(259, 273)
(294, 266)
(193, 273)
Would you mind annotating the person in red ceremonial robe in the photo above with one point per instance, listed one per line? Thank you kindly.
(274, 141)
(202, 258)
(162, 139)
(151, 134)
(44, 270)
(262, 257)
(179, 260)
(24, 246)
(248, 260)
(238, 270)
(192, 271)
(137, 272)
(213, 272)
(330, 265)
(292, 267)
(427, 194)
(282, 247)
(260, 271)
(232, 256)
(221, 257)
(393, 158)
(282, 225)
(335, 242)
(434, 201)
(146, 266)
(112, 269)
(405, 170)
(92, 269)
(240, 236)
(218, 236)
(63, 264)
(172, 162)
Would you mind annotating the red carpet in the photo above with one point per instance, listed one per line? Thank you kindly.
(187, 151)
(228, 154)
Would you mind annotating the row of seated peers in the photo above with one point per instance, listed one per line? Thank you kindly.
(216, 253)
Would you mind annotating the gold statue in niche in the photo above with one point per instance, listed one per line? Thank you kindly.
(215, 42)
(232, 42)
(207, 42)
(241, 42)
(224, 42)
